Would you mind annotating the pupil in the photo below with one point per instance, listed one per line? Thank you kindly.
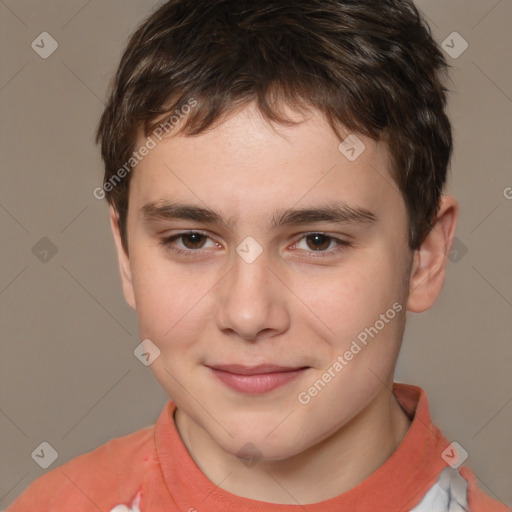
(320, 241)
(192, 240)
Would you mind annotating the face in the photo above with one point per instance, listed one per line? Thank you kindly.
(272, 274)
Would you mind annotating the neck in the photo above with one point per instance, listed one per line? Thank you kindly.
(329, 468)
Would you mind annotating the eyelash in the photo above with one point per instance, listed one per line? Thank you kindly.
(167, 243)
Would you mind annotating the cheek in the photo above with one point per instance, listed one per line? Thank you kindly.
(168, 299)
(342, 304)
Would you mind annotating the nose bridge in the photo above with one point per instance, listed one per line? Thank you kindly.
(249, 278)
(249, 302)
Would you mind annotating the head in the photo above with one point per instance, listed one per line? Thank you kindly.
(227, 118)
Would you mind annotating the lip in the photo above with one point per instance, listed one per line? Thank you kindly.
(256, 379)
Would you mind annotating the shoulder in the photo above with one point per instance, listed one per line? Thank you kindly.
(477, 499)
(98, 479)
(456, 490)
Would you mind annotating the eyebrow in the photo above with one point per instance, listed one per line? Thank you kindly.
(337, 212)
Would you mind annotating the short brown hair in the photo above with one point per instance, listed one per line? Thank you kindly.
(371, 65)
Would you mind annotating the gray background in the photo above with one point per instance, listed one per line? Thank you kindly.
(68, 373)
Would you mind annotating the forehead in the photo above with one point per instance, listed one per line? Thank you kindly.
(249, 164)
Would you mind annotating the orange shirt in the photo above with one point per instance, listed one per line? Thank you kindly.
(154, 464)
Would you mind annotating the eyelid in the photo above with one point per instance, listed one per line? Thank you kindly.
(166, 241)
(335, 236)
(341, 244)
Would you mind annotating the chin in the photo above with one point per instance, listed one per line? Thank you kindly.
(257, 450)
(262, 441)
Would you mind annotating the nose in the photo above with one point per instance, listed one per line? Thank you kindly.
(253, 301)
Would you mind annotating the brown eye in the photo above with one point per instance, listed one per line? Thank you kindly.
(318, 241)
(190, 243)
(193, 240)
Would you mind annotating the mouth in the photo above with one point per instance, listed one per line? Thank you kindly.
(256, 379)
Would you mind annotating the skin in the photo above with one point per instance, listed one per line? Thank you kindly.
(290, 306)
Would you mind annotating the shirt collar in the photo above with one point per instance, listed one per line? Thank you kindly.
(399, 484)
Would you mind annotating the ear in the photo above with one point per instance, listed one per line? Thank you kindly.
(123, 260)
(430, 260)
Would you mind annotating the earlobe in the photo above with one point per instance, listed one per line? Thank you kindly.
(430, 260)
(123, 261)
